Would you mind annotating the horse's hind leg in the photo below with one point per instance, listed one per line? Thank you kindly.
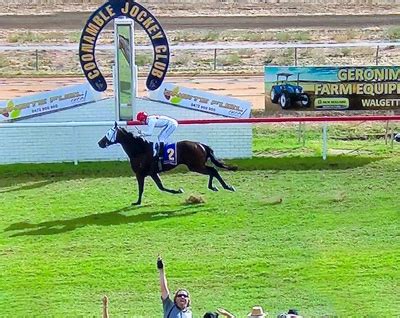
(205, 170)
(159, 184)
(214, 173)
(210, 185)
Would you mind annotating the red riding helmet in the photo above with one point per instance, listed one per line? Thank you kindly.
(141, 116)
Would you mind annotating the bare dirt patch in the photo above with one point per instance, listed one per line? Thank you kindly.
(249, 88)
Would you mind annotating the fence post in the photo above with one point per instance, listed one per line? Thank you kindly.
(377, 56)
(324, 141)
(391, 131)
(37, 60)
(386, 132)
(215, 59)
(301, 133)
(295, 56)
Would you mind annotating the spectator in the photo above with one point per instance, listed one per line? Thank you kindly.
(105, 307)
(210, 315)
(257, 312)
(292, 313)
(180, 307)
(225, 313)
(220, 311)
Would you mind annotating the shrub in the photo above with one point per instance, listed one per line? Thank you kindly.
(230, 59)
(26, 36)
(283, 36)
(393, 33)
(143, 59)
(4, 62)
(182, 59)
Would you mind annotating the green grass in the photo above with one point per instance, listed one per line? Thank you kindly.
(320, 236)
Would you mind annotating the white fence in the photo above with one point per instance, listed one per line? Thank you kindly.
(59, 137)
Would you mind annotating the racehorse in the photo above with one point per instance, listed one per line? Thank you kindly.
(140, 152)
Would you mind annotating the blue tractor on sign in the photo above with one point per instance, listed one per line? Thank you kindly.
(288, 95)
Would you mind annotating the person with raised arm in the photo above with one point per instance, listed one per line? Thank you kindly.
(179, 307)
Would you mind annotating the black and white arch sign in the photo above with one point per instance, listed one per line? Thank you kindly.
(98, 20)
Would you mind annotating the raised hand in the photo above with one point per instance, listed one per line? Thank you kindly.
(160, 264)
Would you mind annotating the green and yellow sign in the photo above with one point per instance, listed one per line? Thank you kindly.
(332, 88)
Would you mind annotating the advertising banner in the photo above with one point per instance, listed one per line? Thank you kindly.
(202, 101)
(332, 88)
(41, 103)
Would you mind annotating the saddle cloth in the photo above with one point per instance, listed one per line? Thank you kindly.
(170, 154)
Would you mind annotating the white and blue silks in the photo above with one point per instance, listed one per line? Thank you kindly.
(168, 126)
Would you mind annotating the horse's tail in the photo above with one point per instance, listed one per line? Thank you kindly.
(215, 161)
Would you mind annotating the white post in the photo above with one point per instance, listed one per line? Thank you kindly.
(116, 93)
(75, 137)
(301, 133)
(124, 43)
(324, 141)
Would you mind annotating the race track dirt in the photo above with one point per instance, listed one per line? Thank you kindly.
(77, 20)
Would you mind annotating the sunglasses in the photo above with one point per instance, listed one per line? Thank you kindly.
(182, 295)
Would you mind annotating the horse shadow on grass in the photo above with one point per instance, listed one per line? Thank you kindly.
(341, 162)
(39, 177)
(115, 217)
(29, 186)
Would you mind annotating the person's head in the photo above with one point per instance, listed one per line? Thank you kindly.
(211, 315)
(182, 298)
(292, 313)
(257, 312)
(141, 116)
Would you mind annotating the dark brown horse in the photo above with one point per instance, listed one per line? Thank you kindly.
(140, 152)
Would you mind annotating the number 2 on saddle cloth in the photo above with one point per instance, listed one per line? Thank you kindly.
(170, 155)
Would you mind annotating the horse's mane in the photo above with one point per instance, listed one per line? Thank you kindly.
(137, 143)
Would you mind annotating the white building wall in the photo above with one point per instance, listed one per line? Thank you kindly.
(74, 144)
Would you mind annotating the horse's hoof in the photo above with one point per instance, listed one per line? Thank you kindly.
(181, 190)
(135, 203)
(232, 188)
(215, 189)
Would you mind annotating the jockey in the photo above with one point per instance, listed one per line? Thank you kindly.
(167, 125)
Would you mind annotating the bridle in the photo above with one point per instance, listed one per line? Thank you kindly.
(113, 137)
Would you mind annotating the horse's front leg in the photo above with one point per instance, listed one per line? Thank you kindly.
(140, 180)
(159, 184)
